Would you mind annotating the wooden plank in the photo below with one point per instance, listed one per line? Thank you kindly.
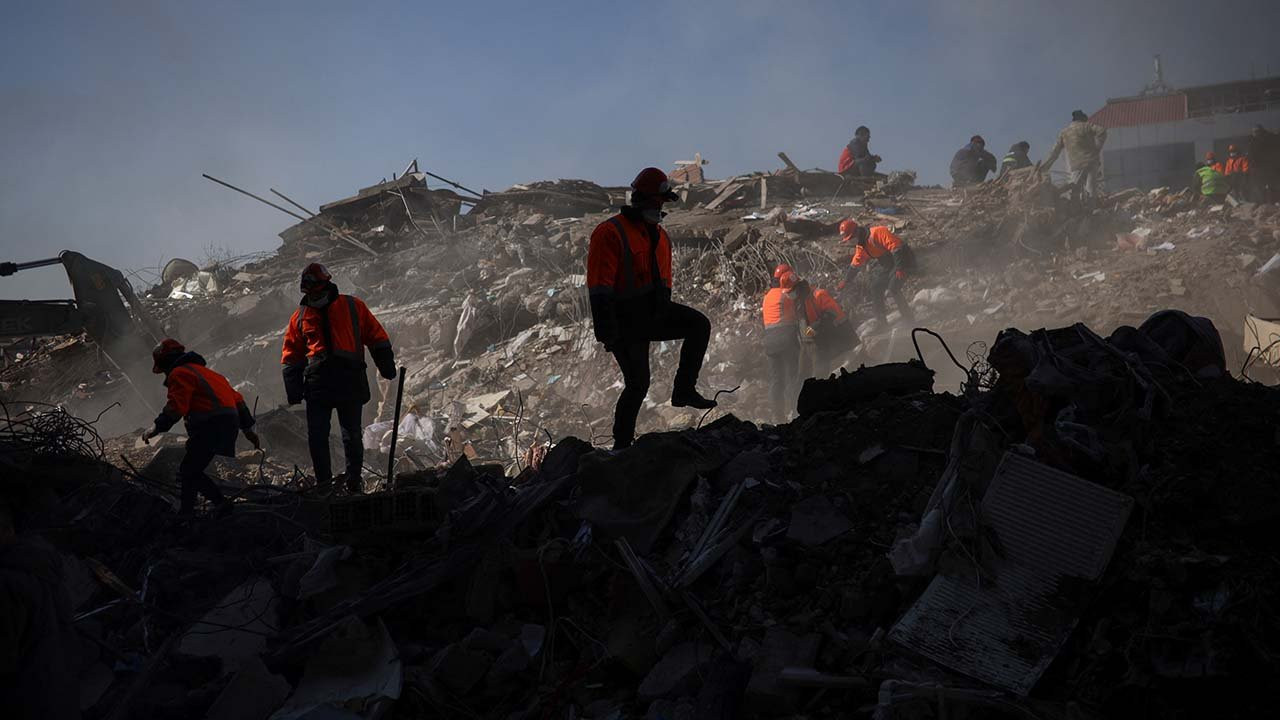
(787, 161)
(764, 192)
(724, 195)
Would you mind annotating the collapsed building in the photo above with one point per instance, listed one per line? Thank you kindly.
(1063, 522)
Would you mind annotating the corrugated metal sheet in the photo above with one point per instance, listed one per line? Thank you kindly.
(1005, 624)
(1142, 111)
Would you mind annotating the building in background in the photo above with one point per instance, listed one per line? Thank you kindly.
(1156, 138)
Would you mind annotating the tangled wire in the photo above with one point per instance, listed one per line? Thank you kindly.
(49, 430)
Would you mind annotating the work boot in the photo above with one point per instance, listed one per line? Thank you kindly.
(355, 486)
(620, 444)
(689, 397)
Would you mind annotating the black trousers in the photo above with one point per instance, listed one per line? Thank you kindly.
(784, 375)
(679, 322)
(200, 452)
(884, 281)
(350, 425)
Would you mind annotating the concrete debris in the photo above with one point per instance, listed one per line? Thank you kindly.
(719, 567)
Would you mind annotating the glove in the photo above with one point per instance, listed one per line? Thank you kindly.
(293, 383)
(385, 360)
(146, 436)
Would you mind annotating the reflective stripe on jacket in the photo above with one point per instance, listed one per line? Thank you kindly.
(621, 259)
(351, 327)
(880, 241)
(199, 395)
(1212, 182)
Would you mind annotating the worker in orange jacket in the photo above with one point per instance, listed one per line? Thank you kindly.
(889, 260)
(1211, 160)
(1236, 170)
(827, 325)
(323, 360)
(629, 280)
(782, 334)
(215, 413)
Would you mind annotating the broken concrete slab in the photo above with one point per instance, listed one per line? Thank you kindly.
(816, 520)
(253, 694)
(676, 673)
(355, 667)
(236, 630)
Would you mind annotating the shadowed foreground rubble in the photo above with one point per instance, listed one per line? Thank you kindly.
(884, 555)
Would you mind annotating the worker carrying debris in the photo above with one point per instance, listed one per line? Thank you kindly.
(856, 159)
(1236, 170)
(323, 360)
(1016, 158)
(1083, 142)
(827, 325)
(892, 258)
(971, 163)
(629, 280)
(781, 344)
(215, 413)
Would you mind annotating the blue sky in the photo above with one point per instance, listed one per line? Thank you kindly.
(109, 112)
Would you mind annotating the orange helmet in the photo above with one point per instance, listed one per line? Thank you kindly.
(847, 229)
(787, 281)
(313, 276)
(781, 270)
(1210, 157)
(653, 182)
(163, 355)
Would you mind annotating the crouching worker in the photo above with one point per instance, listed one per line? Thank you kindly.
(215, 414)
(629, 278)
(832, 332)
(888, 258)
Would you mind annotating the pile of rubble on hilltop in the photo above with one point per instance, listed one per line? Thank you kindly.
(1085, 531)
(488, 311)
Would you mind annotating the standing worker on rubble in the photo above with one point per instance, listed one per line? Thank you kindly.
(971, 163)
(1016, 158)
(1264, 164)
(1083, 141)
(215, 413)
(1236, 171)
(781, 344)
(889, 259)
(629, 279)
(323, 360)
(1213, 186)
(856, 159)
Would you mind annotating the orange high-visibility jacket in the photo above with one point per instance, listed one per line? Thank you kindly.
(778, 311)
(351, 326)
(621, 260)
(819, 303)
(1236, 165)
(879, 242)
(199, 395)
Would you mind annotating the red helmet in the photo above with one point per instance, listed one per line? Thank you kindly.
(163, 355)
(1210, 156)
(653, 182)
(781, 270)
(847, 229)
(315, 275)
(1232, 148)
(787, 281)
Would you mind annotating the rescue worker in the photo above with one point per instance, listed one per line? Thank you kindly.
(889, 260)
(1236, 171)
(1016, 158)
(1211, 159)
(827, 324)
(856, 159)
(971, 163)
(1264, 164)
(323, 360)
(781, 344)
(39, 650)
(1083, 142)
(215, 413)
(629, 279)
(1213, 186)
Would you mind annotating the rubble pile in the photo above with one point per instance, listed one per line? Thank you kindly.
(727, 570)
